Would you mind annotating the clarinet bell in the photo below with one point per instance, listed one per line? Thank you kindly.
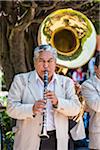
(44, 135)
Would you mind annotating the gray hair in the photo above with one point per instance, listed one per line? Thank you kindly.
(47, 48)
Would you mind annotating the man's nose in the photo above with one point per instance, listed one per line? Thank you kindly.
(46, 65)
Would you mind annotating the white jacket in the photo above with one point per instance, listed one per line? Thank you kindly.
(91, 92)
(25, 89)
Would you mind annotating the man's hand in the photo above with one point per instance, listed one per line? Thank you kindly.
(77, 87)
(52, 97)
(39, 106)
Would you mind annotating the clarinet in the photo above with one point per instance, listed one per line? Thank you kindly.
(44, 134)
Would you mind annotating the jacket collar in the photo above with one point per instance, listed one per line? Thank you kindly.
(31, 84)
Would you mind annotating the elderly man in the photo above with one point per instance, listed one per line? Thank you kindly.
(26, 103)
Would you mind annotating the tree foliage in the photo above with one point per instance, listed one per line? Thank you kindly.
(19, 24)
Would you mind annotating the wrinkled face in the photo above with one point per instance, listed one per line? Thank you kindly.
(45, 61)
(97, 71)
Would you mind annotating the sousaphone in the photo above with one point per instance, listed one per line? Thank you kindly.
(72, 34)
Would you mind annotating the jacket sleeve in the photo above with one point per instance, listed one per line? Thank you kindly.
(69, 105)
(91, 96)
(15, 108)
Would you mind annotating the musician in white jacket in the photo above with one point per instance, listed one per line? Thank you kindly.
(26, 104)
(91, 92)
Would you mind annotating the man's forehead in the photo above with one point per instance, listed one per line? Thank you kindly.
(45, 53)
(46, 58)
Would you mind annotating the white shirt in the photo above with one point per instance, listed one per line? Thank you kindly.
(49, 107)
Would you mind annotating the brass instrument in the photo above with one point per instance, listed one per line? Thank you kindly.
(44, 134)
(72, 34)
(74, 37)
(83, 105)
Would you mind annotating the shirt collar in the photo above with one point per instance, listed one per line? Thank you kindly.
(39, 79)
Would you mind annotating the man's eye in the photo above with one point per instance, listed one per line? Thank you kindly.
(41, 61)
(50, 61)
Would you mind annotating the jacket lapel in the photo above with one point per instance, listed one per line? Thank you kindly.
(59, 90)
(33, 87)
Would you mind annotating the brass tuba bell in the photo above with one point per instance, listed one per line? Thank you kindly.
(72, 34)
